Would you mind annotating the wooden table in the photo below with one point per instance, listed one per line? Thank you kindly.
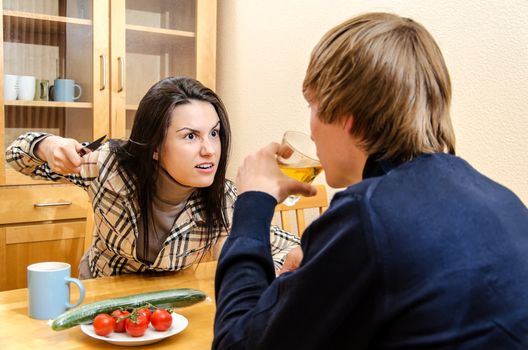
(19, 331)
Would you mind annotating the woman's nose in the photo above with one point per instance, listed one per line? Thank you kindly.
(207, 147)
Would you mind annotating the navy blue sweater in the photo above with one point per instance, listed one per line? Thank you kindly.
(427, 255)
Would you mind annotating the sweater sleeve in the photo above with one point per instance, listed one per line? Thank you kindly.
(333, 291)
(281, 241)
(245, 264)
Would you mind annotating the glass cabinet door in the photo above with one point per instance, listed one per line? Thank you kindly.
(162, 38)
(48, 71)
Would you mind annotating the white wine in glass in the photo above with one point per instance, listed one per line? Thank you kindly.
(302, 165)
(302, 174)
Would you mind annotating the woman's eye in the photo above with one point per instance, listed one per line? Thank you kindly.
(215, 133)
(190, 136)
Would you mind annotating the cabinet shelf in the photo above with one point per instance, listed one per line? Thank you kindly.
(41, 29)
(48, 104)
(149, 40)
(37, 17)
(160, 31)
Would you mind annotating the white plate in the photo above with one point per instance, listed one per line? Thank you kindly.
(179, 323)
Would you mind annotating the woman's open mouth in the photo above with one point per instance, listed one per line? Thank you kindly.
(205, 167)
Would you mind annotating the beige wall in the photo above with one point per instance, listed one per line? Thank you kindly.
(264, 45)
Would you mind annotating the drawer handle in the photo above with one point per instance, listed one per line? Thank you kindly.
(56, 204)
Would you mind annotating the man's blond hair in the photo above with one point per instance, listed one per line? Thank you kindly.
(388, 73)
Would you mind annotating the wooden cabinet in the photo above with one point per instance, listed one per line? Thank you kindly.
(157, 39)
(114, 50)
(22, 245)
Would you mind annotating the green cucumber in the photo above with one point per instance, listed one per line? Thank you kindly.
(169, 298)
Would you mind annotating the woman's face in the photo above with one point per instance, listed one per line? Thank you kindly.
(191, 150)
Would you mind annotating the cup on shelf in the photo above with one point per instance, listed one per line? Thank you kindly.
(49, 289)
(10, 87)
(41, 90)
(64, 90)
(26, 87)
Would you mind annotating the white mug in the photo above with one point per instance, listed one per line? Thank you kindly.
(26, 87)
(10, 87)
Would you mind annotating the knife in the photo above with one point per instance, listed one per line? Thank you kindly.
(92, 146)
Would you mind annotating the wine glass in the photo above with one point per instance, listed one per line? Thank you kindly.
(302, 165)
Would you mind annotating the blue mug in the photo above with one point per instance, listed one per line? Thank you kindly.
(49, 290)
(63, 90)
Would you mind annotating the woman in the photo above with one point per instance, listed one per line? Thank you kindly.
(160, 199)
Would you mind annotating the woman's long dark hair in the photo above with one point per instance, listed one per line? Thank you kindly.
(152, 120)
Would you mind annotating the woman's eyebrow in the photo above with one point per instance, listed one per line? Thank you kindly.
(186, 128)
(217, 124)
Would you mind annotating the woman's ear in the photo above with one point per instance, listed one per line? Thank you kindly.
(155, 155)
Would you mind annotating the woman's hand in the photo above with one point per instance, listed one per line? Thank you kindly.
(292, 261)
(260, 172)
(60, 153)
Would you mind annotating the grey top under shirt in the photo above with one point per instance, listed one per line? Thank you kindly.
(167, 204)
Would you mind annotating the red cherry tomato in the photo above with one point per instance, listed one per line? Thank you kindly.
(136, 327)
(145, 311)
(120, 318)
(161, 320)
(103, 324)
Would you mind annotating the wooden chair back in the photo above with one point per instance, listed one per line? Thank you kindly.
(283, 219)
(89, 228)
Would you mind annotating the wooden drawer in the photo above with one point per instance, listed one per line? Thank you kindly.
(13, 177)
(22, 245)
(42, 203)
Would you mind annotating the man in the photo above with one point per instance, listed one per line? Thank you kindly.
(419, 252)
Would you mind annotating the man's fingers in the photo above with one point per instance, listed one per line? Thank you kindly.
(301, 188)
(284, 151)
(271, 148)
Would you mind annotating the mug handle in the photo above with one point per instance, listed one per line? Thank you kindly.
(43, 92)
(81, 291)
(51, 93)
(80, 91)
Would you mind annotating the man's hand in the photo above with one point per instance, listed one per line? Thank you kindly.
(292, 261)
(60, 153)
(260, 172)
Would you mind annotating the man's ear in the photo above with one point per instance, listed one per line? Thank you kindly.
(348, 124)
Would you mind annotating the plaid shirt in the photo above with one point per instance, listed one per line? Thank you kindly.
(117, 215)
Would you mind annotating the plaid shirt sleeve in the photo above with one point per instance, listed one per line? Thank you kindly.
(281, 244)
(281, 241)
(21, 157)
